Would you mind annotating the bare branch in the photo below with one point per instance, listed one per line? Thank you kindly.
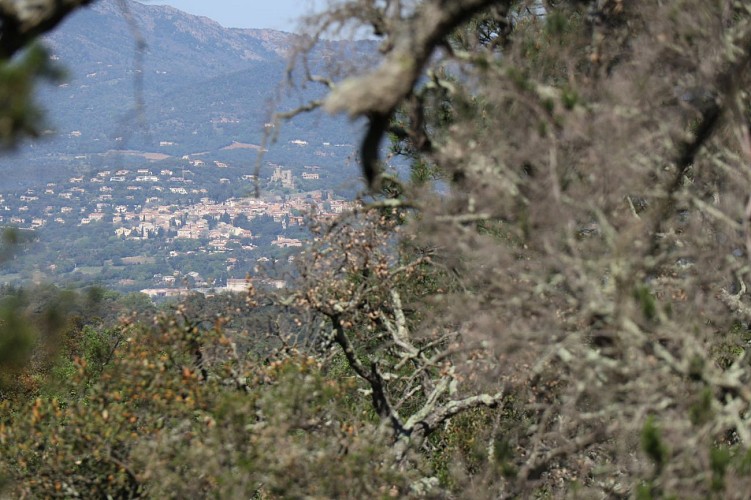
(372, 376)
(453, 408)
(23, 21)
(376, 95)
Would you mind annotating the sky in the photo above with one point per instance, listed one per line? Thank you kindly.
(273, 14)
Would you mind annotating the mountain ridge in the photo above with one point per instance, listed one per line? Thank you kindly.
(189, 74)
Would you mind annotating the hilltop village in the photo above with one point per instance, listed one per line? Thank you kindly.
(194, 225)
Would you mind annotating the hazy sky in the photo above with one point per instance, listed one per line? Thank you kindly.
(275, 14)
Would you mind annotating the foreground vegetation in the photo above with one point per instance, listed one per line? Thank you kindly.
(553, 304)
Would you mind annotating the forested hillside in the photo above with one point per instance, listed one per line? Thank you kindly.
(153, 79)
(151, 120)
(551, 301)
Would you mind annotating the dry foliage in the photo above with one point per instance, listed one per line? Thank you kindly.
(580, 179)
(554, 303)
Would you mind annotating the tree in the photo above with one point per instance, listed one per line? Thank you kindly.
(593, 216)
(241, 221)
(212, 221)
(225, 217)
(132, 411)
(553, 303)
(354, 280)
(21, 23)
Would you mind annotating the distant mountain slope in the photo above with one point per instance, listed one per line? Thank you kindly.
(202, 85)
(180, 48)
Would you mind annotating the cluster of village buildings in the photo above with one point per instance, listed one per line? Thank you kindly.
(148, 203)
(234, 285)
(111, 195)
(194, 221)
